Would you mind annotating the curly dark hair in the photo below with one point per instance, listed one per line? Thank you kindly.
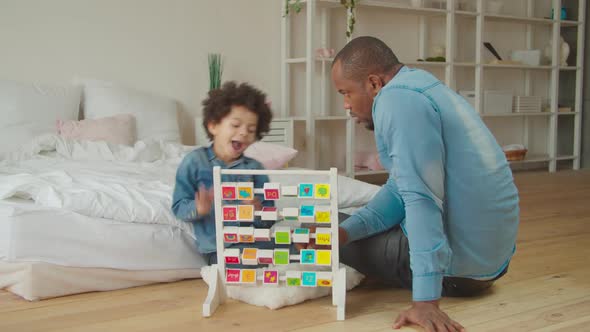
(219, 102)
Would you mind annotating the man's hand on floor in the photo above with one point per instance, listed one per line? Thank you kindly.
(429, 316)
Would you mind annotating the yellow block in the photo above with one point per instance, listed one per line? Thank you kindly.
(323, 257)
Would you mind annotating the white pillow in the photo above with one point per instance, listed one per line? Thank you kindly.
(156, 116)
(271, 156)
(29, 109)
(275, 297)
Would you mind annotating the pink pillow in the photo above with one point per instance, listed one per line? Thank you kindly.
(118, 129)
(272, 156)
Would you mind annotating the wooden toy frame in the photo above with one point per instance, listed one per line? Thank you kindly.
(217, 288)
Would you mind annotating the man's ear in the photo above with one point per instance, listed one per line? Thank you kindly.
(375, 83)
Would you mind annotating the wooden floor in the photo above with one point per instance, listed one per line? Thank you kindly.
(547, 288)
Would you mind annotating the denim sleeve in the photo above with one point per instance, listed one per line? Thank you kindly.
(383, 212)
(417, 151)
(183, 198)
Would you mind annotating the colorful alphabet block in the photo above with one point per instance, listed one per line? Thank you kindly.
(291, 214)
(324, 279)
(323, 236)
(307, 213)
(272, 191)
(270, 277)
(262, 234)
(269, 213)
(245, 191)
(307, 256)
(249, 256)
(305, 190)
(289, 190)
(322, 214)
(228, 191)
(265, 256)
(323, 257)
(230, 213)
(230, 234)
(281, 256)
(282, 235)
(246, 234)
(248, 276)
(308, 279)
(232, 276)
(301, 235)
(322, 191)
(293, 278)
(232, 256)
(246, 212)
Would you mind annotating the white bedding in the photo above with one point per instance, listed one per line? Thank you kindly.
(68, 205)
(65, 238)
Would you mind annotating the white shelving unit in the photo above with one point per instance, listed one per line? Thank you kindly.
(552, 137)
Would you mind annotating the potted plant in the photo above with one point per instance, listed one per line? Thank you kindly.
(215, 71)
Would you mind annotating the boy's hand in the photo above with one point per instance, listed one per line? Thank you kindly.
(203, 200)
(256, 202)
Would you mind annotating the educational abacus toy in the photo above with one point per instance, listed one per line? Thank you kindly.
(318, 207)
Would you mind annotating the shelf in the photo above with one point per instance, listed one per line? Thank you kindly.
(384, 4)
(464, 64)
(567, 113)
(295, 60)
(525, 67)
(566, 157)
(462, 13)
(332, 118)
(533, 158)
(518, 19)
(509, 115)
(572, 68)
(367, 173)
(568, 23)
(426, 63)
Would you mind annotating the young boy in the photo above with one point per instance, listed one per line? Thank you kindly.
(235, 116)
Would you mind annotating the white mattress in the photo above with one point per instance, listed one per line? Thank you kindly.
(29, 233)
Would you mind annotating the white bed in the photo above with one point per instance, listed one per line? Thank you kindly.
(80, 216)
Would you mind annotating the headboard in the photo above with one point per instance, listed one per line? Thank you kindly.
(281, 132)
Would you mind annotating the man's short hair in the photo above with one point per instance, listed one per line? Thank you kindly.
(365, 55)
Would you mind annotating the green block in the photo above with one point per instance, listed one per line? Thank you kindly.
(281, 257)
(283, 237)
(293, 282)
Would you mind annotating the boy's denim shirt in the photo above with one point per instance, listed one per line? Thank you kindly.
(195, 170)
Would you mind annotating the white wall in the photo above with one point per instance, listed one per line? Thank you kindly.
(156, 45)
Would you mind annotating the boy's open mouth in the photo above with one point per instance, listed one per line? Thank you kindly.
(237, 146)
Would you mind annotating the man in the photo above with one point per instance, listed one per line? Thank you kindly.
(445, 223)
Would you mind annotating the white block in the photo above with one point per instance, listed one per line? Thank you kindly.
(307, 214)
(246, 234)
(289, 190)
(301, 235)
(290, 213)
(270, 213)
(232, 256)
(262, 234)
(230, 234)
(265, 256)
(250, 256)
(245, 187)
(272, 191)
(323, 236)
